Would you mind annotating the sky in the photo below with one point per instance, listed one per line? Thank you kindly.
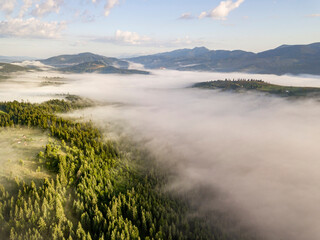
(124, 28)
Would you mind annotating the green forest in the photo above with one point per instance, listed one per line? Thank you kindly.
(260, 86)
(92, 192)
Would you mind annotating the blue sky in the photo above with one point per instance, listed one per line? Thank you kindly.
(42, 28)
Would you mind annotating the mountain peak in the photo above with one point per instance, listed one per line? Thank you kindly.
(88, 54)
(85, 57)
(201, 48)
(283, 46)
(293, 59)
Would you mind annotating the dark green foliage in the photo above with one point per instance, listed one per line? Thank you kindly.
(94, 195)
(261, 86)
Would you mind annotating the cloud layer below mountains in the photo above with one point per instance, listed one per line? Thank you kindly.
(256, 155)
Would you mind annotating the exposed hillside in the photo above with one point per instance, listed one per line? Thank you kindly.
(261, 86)
(71, 60)
(99, 67)
(295, 59)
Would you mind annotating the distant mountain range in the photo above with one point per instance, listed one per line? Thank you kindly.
(77, 63)
(90, 63)
(10, 59)
(71, 60)
(286, 59)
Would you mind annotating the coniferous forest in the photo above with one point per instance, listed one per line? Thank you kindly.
(93, 193)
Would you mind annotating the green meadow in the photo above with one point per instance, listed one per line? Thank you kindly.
(19, 148)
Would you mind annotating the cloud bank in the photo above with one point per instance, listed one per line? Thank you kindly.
(125, 38)
(27, 4)
(31, 27)
(47, 7)
(256, 156)
(7, 6)
(135, 39)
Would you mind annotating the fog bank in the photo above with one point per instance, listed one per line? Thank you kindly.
(259, 155)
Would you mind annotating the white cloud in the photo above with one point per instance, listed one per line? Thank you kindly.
(32, 27)
(203, 15)
(130, 37)
(183, 41)
(314, 15)
(109, 5)
(186, 16)
(222, 11)
(133, 38)
(79, 43)
(27, 4)
(126, 38)
(47, 7)
(7, 6)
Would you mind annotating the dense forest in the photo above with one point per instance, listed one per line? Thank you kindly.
(93, 193)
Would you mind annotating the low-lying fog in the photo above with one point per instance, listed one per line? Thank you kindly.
(259, 154)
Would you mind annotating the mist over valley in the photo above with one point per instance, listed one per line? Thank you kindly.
(256, 154)
(159, 120)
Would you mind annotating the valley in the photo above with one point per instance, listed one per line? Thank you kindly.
(159, 120)
(149, 153)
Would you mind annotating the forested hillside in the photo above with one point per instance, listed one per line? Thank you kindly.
(94, 193)
(260, 86)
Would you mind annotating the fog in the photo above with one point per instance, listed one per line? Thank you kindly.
(27, 87)
(257, 156)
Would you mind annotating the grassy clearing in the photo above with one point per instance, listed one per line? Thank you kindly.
(19, 149)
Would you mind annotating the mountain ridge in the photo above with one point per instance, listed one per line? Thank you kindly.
(99, 67)
(285, 59)
(67, 60)
(87, 62)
